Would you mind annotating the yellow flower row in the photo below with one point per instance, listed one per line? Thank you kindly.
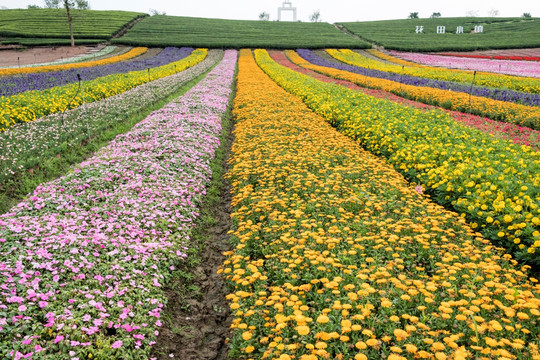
(33, 105)
(336, 257)
(138, 51)
(397, 60)
(499, 110)
(495, 184)
(524, 84)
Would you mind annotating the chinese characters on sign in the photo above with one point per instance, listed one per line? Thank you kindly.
(442, 29)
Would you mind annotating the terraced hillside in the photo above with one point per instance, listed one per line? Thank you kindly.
(498, 33)
(50, 26)
(216, 33)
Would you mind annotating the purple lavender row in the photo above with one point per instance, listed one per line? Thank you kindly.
(492, 93)
(84, 259)
(11, 85)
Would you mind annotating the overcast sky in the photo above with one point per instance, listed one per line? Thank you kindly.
(330, 10)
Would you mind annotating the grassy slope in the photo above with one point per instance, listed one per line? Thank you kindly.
(498, 33)
(216, 33)
(42, 26)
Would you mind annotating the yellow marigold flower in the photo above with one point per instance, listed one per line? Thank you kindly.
(386, 303)
(440, 356)
(302, 329)
(250, 349)
(360, 357)
(522, 316)
(246, 335)
(438, 346)
(361, 345)
(411, 348)
(323, 319)
(400, 334)
(372, 342)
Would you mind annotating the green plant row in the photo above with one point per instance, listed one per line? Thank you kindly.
(216, 33)
(52, 23)
(493, 183)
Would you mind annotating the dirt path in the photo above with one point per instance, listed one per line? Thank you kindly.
(39, 55)
(196, 326)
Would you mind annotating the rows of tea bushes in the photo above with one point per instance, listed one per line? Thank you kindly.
(493, 183)
(499, 33)
(42, 26)
(218, 33)
(337, 256)
(32, 105)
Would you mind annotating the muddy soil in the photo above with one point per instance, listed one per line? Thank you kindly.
(39, 55)
(197, 328)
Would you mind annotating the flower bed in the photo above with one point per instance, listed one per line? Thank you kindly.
(491, 182)
(84, 259)
(12, 85)
(521, 84)
(518, 134)
(25, 145)
(58, 67)
(337, 257)
(498, 110)
(510, 67)
(496, 93)
(33, 105)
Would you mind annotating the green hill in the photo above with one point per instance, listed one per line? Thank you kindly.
(216, 33)
(499, 33)
(50, 26)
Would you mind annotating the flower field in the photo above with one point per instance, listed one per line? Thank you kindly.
(517, 134)
(100, 242)
(338, 256)
(495, 109)
(213, 199)
(32, 105)
(56, 67)
(510, 67)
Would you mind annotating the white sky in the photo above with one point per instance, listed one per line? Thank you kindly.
(330, 10)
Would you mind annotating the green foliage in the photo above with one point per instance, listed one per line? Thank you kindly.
(499, 33)
(413, 15)
(42, 25)
(216, 33)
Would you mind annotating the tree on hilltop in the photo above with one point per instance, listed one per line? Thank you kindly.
(315, 17)
(264, 16)
(413, 15)
(526, 15)
(435, 15)
(68, 4)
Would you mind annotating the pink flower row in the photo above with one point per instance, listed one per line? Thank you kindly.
(510, 67)
(83, 260)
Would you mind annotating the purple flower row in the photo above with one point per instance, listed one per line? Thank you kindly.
(84, 259)
(492, 93)
(510, 67)
(11, 85)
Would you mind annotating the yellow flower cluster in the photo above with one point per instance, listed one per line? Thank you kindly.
(336, 257)
(524, 84)
(138, 51)
(492, 182)
(33, 105)
(499, 110)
